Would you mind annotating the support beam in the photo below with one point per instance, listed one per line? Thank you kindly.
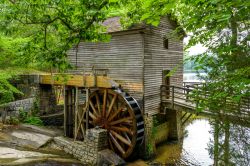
(88, 81)
(76, 110)
(65, 109)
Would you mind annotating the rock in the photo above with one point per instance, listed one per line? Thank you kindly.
(6, 153)
(30, 139)
(108, 157)
(41, 130)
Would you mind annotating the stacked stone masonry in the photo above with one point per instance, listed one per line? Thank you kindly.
(12, 109)
(87, 150)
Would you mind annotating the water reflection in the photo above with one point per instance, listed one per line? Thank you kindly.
(196, 141)
(230, 145)
(208, 143)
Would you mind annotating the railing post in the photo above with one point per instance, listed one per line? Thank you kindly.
(187, 93)
(172, 97)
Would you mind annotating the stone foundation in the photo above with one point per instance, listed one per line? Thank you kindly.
(47, 99)
(157, 130)
(86, 151)
(174, 119)
(162, 133)
(150, 147)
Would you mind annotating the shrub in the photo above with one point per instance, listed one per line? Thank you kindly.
(22, 115)
(30, 118)
(14, 121)
(33, 121)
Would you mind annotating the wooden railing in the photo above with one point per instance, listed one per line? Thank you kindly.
(174, 93)
(183, 96)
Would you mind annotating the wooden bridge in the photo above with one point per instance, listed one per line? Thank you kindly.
(180, 98)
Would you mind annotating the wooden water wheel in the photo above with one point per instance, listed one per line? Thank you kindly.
(120, 115)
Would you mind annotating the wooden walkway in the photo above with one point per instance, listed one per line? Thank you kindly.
(179, 98)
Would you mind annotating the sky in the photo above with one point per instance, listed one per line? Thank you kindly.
(197, 49)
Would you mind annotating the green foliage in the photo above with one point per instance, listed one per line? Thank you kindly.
(223, 27)
(54, 27)
(30, 117)
(33, 121)
(22, 115)
(38, 34)
(14, 121)
(35, 109)
(149, 149)
(7, 91)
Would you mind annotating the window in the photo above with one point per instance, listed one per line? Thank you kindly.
(165, 43)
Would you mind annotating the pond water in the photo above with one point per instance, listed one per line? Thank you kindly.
(208, 143)
(53, 163)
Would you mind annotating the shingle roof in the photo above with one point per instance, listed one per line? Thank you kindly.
(113, 24)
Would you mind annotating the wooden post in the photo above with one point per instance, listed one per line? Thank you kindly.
(76, 110)
(87, 109)
(172, 97)
(187, 93)
(65, 109)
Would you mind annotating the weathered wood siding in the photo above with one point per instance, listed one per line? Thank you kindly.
(122, 56)
(156, 59)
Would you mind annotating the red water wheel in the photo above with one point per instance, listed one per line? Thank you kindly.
(120, 115)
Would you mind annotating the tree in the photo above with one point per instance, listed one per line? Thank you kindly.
(38, 34)
(223, 27)
(52, 27)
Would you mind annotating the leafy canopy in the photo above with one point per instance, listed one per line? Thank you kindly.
(37, 34)
(223, 27)
(49, 28)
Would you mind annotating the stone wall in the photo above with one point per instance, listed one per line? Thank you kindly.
(150, 148)
(175, 128)
(47, 99)
(12, 109)
(86, 151)
(28, 84)
(162, 133)
(156, 131)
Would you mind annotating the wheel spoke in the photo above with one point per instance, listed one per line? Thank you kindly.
(93, 108)
(104, 103)
(111, 105)
(121, 138)
(124, 129)
(115, 114)
(127, 137)
(116, 144)
(111, 144)
(92, 116)
(98, 103)
(121, 121)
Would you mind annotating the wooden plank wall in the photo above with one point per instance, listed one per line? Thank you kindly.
(122, 56)
(158, 58)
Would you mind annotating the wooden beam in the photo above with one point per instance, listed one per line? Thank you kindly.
(76, 110)
(65, 109)
(87, 81)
